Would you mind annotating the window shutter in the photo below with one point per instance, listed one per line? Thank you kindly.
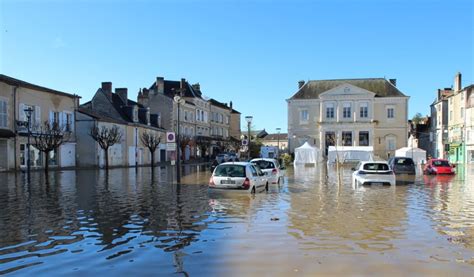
(51, 117)
(72, 122)
(38, 115)
(21, 112)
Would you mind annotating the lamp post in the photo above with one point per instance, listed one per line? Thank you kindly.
(249, 121)
(179, 101)
(28, 112)
(278, 140)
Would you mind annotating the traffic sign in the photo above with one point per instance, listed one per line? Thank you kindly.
(170, 137)
(171, 146)
(245, 142)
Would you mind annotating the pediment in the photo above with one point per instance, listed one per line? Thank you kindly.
(347, 91)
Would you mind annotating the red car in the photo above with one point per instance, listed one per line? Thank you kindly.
(439, 166)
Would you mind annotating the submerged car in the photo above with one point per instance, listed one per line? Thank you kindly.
(238, 176)
(373, 173)
(439, 166)
(402, 165)
(271, 167)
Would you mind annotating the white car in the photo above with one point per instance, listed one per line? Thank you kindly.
(373, 173)
(238, 176)
(271, 167)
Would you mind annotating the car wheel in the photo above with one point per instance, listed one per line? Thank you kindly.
(266, 187)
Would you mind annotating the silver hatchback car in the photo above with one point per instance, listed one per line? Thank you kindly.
(239, 176)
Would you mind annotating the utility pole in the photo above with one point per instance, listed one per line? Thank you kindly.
(249, 121)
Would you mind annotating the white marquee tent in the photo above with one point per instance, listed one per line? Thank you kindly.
(350, 153)
(307, 154)
(418, 155)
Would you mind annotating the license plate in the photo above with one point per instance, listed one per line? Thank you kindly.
(228, 182)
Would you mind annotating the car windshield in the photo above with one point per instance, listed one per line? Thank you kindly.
(404, 162)
(264, 164)
(375, 166)
(230, 170)
(441, 163)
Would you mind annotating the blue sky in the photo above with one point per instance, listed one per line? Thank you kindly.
(250, 52)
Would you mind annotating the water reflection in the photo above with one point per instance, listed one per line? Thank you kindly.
(140, 222)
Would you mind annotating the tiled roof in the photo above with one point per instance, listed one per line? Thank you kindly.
(380, 86)
(171, 88)
(281, 136)
(16, 82)
(216, 103)
(100, 116)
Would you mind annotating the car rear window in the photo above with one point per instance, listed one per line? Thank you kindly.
(264, 164)
(230, 170)
(375, 166)
(441, 163)
(404, 162)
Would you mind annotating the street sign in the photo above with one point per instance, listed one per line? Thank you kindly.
(171, 146)
(170, 137)
(245, 142)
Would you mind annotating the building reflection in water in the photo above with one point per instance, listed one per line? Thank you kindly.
(332, 216)
(94, 212)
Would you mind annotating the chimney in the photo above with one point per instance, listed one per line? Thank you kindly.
(107, 89)
(107, 86)
(123, 94)
(230, 104)
(182, 86)
(197, 87)
(457, 82)
(300, 84)
(393, 82)
(160, 85)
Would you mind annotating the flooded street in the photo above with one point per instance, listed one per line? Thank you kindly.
(132, 222)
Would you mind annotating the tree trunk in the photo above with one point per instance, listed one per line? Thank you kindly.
(46, 164)
(106, 156)
(152, 159)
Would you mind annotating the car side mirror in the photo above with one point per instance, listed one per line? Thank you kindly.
(353, 169)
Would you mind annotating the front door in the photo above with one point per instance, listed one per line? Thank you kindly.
(330, 138)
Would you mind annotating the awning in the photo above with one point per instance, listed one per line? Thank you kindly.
(5, 133)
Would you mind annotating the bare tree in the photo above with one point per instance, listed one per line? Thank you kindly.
(332, 140)
(48, 137)
(106, 137)
(151, 140)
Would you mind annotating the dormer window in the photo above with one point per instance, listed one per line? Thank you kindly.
(135, 113)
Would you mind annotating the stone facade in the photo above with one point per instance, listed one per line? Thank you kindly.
(48, 106)
(351, 112)
(201, 118)
(108, 109)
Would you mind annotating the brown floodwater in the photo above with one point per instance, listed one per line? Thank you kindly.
(132, 222)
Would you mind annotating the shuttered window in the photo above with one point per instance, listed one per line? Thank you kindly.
(3, 114)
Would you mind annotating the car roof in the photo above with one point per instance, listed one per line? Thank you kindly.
(263, 159)
(235, 163)
(402, 158)
(373, 162)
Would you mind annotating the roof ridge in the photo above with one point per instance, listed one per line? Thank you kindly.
(349, 79)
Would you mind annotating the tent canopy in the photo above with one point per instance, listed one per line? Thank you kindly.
(307, 154)
(418, 155)
(350, 153)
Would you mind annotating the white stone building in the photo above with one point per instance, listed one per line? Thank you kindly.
(353, 112)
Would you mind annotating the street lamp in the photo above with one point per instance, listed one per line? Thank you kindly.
(278, 140)
(179, 101)
(249, 121)
(28, 113)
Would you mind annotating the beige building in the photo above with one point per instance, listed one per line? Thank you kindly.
(277, 140)
(48, 105)
(107, 109)
(349, 112)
